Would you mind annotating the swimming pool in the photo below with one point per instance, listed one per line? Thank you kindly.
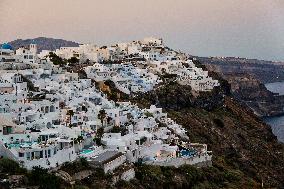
(87, 151)
(187, 153)
(18, 145)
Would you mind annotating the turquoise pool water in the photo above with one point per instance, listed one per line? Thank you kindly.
(87, 151)
(18, 145)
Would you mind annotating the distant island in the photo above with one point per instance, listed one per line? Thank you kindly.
(43, 43)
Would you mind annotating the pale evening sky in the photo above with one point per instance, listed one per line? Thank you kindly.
(244, 28)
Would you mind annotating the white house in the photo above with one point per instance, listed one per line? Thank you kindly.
(108, 160)
(27, 55)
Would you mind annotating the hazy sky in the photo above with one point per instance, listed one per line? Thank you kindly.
(245, 28)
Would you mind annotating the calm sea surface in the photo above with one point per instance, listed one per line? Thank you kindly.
(277, 123)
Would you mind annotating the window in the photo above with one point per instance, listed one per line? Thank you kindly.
(21, 154)
(28, 154)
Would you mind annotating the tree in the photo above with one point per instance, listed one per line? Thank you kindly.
(40, 176)
(28, 136)
(98, 137)
(73, 60)
(11, 167)
(30, 84)
(102, 115)
(82, 74)
(61, 105)
(71, 114)
(109, 120)
(79, 139)
(116, 129)
(148, 114)
(56, 60)
(129, 116)
(100, 132)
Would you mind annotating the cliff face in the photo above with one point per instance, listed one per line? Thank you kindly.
(240, 141)
(254, 94)
(264, 71)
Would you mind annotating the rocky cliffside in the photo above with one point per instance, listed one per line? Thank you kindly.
(246, 78)
(240, 141)
(264, 71)
(243, 145)
(253, 93)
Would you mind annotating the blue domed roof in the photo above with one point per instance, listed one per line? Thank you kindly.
(7, 46)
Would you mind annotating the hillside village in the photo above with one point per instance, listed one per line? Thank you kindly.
(51, 114)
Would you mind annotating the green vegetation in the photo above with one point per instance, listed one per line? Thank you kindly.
(40, 177)
(79, 139)
(76, 166)
(116, 129)
(71, 114)
(198, 64)
(100, 132)
(11, 167)
(36, 177)
(82, 74)
(56, 60)
(148, 114)
(102, 116)
(189, 177)
(96, 178)
(114, 94)
(99, 135)
(218, 122)
(73, 60)
(30, 84)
